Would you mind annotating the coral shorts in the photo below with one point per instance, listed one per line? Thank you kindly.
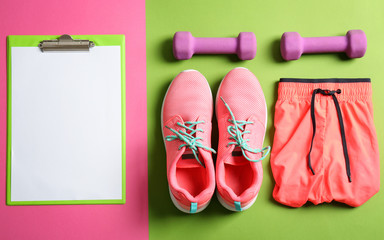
(325, 146)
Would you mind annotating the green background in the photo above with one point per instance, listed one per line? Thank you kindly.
(268, 20)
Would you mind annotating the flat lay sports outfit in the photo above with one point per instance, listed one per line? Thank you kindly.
(325, 146)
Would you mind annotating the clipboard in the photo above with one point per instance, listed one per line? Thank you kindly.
(66, 120)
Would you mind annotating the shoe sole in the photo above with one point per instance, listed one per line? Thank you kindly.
(177, 205)
(221, 200)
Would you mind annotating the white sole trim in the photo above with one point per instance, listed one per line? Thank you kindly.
(177, 205)
(229, 207)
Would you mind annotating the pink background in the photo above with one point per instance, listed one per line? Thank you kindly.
(128, 221)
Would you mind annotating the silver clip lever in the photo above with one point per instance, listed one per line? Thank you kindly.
(66, 43)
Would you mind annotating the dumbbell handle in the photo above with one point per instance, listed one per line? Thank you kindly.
(325, 44)
(215, 45)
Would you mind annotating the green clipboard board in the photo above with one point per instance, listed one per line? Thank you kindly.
(66, 121)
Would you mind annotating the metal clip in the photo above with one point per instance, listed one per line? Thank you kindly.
(65, 43)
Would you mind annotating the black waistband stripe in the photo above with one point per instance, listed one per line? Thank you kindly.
(325, 80)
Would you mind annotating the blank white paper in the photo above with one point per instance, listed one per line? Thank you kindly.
(66, 125)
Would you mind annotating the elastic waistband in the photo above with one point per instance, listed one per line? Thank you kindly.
(302, 89)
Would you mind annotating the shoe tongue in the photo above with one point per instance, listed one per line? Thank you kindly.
(236, 157)
(188, 160)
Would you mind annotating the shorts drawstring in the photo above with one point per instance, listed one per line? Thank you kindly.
(341, 123)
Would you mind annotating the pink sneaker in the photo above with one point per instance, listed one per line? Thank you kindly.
(187, 124)
(242, 117)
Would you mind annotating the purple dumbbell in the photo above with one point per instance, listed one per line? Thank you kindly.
(185, 45)
(293, 45)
